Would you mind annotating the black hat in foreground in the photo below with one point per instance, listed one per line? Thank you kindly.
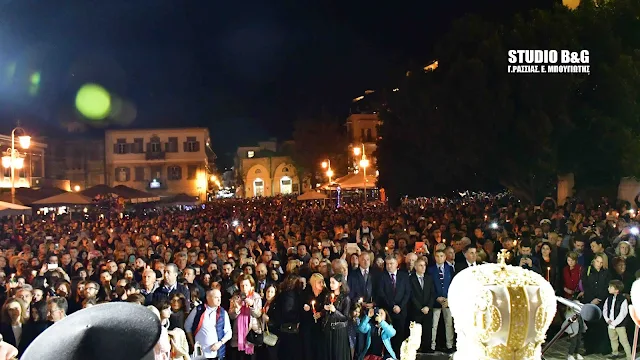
(120, 330)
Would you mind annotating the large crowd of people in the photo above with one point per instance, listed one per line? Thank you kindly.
(268, 278)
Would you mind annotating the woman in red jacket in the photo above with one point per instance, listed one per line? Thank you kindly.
(571, 275)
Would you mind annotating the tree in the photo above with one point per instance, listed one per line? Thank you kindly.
(470, 124)
(316, 140)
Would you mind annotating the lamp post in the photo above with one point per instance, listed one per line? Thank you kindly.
(327, 165)
(13, 159)
(364, 164)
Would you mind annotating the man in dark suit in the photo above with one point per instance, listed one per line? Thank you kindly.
(442, 274)
(470, 257)
(393, 294)
(361, 287)
(422, 299)
(361, 281)
(171, 286)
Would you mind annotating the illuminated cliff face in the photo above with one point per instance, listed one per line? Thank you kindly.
(571, 4)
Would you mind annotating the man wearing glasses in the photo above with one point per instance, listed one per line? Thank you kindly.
(56, 309)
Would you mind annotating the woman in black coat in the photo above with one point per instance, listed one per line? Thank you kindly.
(595, 285)
(288, 305)
(335, 320)
(269, 321)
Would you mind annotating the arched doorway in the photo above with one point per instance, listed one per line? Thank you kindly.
(258, 187)
(286, 185)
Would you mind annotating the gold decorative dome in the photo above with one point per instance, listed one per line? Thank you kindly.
(501, 312)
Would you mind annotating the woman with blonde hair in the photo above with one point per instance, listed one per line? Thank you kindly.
(628, 253)
(313, 299)
(246, 310)
(13, 317)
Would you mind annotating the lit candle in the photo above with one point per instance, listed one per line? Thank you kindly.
(230, 254)
(361, 300)
(319, 245)
(444, 241)
(333, 298)
(515, 243)
(386, 248)
(548, 273)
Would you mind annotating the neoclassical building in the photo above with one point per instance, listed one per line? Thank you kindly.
(263, 171)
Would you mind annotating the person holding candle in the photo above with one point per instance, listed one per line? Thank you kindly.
(548, 264)
(335, 320)
(311, 333)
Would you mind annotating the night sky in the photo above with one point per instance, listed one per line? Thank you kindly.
(230, 66)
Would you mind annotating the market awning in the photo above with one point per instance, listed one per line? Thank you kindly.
(353, 181)
(312, 195)
(135, 196)
(69, 198)
(9, 209)
(98, 190)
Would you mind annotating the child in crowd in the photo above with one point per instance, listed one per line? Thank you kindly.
(354, 322)
(575, 331)
(615, 312)
(378, 335)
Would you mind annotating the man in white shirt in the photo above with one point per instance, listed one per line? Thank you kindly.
(208, 325)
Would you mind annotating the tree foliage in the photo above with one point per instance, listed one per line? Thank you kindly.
(470, 124)
(316, 140)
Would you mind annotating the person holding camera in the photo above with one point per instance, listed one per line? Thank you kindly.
(378, 342)
(246, 310)
(525, 259)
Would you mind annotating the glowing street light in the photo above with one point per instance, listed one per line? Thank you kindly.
(327, 165)
(13, 159)
(364, 164)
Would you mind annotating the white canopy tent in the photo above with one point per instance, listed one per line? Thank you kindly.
(9, 209)
(312, 195)
(68, 198)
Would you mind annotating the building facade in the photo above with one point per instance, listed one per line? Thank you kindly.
(160, 161)
(263, 171)
(362, 129)
(81, 160)
(33, 170)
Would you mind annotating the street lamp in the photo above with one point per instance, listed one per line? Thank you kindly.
(327, 165)
(13, 159)
(364, 164)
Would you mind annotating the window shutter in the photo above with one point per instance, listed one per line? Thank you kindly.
(197, 146)
(128, 171)
(184, 147)
(115, 148)
(166, 147)
(115, 174)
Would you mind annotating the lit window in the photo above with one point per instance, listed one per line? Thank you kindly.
(250, 154)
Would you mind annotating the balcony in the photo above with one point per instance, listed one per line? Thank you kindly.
(155, 155)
